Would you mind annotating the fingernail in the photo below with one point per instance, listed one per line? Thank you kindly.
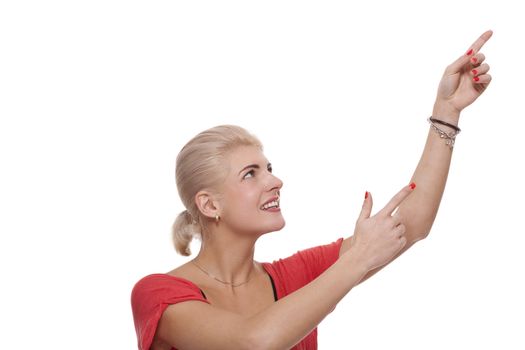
(474, 59)
(366, 194)
(474, 71)
(470, 52)
(413, 185)
(476, 78)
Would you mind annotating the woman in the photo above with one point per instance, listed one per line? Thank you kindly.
(223, 299)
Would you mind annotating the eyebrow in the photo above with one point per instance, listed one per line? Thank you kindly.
(256, 166)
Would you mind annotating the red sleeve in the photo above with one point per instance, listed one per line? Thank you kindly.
(306, 265)
(151, 296)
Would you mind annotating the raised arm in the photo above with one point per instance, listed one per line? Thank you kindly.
(462, 83)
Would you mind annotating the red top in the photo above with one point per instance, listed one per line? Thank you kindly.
(154, 293)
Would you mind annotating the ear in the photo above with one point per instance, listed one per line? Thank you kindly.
(207, 204)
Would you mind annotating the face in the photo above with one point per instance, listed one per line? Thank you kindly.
(250, 196)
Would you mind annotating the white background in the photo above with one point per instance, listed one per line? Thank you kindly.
(98, 97)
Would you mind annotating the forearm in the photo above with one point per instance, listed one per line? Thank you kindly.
(291, 318)
(430, 176)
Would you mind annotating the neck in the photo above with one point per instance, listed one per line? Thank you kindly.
(229, 257)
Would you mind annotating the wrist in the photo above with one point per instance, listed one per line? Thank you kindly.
(446, 112)
(353, 264)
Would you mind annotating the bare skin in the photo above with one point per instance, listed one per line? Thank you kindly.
(228, 248)
(256, 295)
(462, 83)
(227, 251)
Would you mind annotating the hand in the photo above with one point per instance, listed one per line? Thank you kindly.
(463, 81)
(378, 238)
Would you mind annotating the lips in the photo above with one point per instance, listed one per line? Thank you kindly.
(271, 203)
(276, 198)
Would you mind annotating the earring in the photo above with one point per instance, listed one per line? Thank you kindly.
(217, 218)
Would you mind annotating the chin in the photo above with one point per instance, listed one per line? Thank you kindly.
(276, 227)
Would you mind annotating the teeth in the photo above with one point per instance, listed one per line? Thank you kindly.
(274, 204)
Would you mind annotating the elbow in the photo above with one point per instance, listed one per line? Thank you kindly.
(417, 225)
(416, 234)
(420, 235)
(418, 231)
(425, 231)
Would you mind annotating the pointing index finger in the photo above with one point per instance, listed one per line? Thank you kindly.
(478, 44)
(397, 199)
(457, 65)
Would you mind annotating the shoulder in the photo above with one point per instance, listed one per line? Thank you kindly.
(172, 279)
(150, 297)
(161, 287)
(162, 281)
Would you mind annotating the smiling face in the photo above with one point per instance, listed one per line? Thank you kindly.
(250, 194)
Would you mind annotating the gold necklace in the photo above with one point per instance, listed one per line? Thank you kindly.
(206, 272)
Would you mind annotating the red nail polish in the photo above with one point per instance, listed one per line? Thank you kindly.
(474, 59)
(470, 52)
(413, 185)
(476, 78)
(366, 194)
(474, 72)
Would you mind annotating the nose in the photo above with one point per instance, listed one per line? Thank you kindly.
(275, 183)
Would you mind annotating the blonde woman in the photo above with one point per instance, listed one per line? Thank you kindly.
(223, 298)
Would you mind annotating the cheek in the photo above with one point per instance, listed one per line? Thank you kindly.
(245, 201)
(249, 200)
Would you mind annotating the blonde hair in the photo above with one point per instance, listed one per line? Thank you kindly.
(201, 165)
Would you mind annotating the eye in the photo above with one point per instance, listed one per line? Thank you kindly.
(251, 172)
(270, 168)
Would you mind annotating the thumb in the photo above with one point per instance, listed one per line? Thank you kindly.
(367, 207)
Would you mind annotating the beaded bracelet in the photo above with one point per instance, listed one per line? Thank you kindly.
(451, 137)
